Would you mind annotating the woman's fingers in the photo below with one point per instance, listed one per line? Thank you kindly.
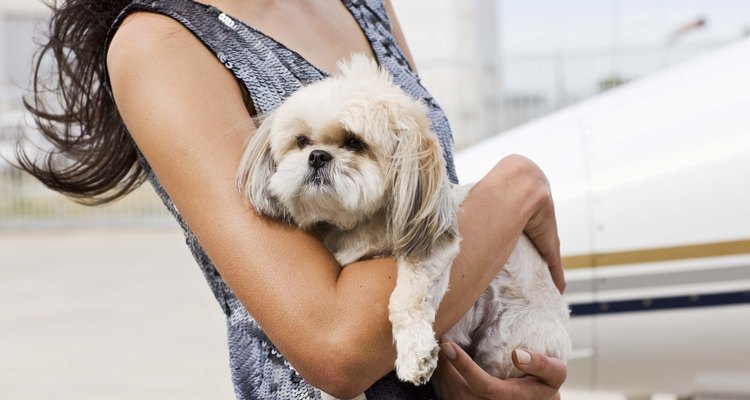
(476, 378)
(557, 271)
(450, 382)
(551, 371)
(544, 375)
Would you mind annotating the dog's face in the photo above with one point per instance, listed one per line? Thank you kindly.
(342, 149)
(331, 144)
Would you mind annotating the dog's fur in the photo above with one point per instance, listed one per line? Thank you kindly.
(352, 158)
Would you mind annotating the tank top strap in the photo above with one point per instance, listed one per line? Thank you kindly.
(376, 25)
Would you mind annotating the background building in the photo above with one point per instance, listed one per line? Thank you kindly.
(494, 64)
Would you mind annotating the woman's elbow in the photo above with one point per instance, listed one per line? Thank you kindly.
(516, 166)
(343, 389)
(344, 372)
(341, 379)
(525, 177)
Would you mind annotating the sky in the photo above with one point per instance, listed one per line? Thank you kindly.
(557, 25)
(544, 26)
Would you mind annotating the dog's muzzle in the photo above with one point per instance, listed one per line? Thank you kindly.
(319, 158)
(317, 161)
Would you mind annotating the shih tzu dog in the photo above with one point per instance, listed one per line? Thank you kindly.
(352, 158)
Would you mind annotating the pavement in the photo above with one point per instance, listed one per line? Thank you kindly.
(110, 314)
(107, 314)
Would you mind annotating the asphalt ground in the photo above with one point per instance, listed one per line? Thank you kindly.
(107, 314)
(110, 314)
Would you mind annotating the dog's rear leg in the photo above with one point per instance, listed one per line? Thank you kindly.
(419, 288)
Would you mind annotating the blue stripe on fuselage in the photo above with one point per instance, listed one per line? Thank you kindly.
(661, 303)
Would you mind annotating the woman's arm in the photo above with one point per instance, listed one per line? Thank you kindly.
(186, 113)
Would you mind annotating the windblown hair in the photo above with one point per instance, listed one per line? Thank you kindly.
(93, 159)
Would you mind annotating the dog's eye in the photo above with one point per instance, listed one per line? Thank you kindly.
(303, 141)
(354, 144)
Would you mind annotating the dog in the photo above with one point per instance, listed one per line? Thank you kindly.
(352, 158)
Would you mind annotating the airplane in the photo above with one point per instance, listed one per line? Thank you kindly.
(651, 183)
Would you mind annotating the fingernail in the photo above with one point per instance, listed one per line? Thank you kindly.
(523, 356)
(448, 351)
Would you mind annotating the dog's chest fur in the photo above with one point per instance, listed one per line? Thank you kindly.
(368, 239)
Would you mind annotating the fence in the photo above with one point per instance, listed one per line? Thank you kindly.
(480, 100)
(26, 203)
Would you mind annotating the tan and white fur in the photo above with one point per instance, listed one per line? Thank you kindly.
(352, 158)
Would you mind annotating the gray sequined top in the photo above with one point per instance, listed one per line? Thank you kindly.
(269, 72)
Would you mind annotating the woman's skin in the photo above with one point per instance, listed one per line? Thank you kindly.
(459, 377)
(187, 115)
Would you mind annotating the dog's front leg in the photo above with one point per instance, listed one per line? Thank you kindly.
(420, 287)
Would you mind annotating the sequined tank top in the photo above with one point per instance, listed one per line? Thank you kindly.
(270, 72)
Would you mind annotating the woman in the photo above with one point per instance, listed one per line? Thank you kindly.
(185, 79)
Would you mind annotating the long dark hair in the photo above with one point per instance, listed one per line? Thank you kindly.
(93, 160)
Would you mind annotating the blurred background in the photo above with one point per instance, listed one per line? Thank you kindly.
(106, 302)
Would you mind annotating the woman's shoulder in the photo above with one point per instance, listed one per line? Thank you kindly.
(144, 36)
(157, 50)
(161, 74)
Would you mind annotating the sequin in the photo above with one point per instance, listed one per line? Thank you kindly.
(228, 21)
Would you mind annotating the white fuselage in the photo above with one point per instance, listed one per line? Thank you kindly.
(652, 189)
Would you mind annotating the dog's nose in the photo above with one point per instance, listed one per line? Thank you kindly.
(319, 158)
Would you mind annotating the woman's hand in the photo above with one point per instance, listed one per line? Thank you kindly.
(459, 377)
(541, 228)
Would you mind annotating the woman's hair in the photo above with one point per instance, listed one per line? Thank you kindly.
(93, 159)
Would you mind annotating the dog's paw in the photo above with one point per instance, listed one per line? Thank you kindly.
(417, 363)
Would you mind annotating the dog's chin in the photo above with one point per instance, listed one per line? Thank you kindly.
(341, 198)
(319, 180)
(317, 204)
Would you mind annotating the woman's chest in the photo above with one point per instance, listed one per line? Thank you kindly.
(323, 32)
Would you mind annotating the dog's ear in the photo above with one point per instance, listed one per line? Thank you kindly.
(422, 210)
(256, 168)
